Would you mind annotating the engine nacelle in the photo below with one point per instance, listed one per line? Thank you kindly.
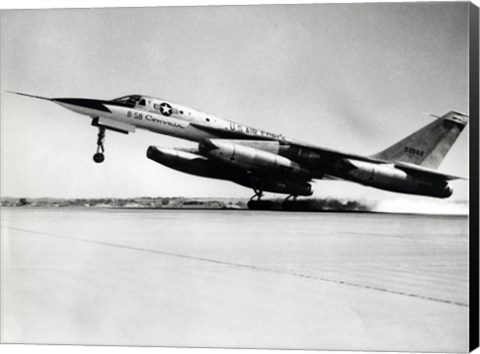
(249, 158)
(189, 161)
(389, 178)
(186, 161)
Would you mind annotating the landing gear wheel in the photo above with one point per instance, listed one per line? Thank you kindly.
(98, 157)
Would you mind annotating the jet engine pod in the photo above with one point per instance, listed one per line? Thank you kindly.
(187, 161)
(249, 158)
(388, 177)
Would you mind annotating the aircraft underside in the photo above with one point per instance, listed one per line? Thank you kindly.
(262, 172)
(196, 164)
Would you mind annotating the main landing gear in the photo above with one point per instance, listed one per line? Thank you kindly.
(258, 194)
(294, 196)
(99, 157)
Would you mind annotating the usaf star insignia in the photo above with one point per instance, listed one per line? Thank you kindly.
(165, 109)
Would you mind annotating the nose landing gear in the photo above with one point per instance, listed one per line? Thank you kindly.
(99, 157)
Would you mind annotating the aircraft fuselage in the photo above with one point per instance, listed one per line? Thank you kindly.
(164, 117)
(270, 162)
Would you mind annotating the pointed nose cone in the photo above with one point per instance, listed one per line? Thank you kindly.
(82, 105)
(161, 155)
(154, 153)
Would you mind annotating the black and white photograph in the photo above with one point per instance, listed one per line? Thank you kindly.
(253, 176)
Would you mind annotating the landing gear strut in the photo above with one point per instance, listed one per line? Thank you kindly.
(99, 157)
(294, 196)
(258, 194)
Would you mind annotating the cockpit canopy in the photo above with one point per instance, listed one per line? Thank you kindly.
(130, 100)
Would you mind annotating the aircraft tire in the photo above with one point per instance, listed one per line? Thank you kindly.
(98, 157)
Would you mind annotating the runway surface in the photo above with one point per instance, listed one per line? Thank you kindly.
(246, 279)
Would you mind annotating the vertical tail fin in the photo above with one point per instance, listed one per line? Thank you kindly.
(427, 146)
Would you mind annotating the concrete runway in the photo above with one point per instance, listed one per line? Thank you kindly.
(244, 279)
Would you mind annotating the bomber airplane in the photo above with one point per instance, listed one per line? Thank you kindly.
(269, 162)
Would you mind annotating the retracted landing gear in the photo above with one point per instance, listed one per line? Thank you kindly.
(99, 157)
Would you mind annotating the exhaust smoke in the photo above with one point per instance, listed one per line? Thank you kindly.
(327, 204)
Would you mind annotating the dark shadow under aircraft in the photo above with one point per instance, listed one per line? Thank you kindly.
(269, 162)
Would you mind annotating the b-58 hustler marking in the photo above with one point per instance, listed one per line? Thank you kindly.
(269, 162)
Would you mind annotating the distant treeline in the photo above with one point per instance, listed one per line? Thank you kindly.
(280, 204)
(142, 202)
(308, 204)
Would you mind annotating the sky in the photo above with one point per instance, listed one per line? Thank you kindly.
(352, 77)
